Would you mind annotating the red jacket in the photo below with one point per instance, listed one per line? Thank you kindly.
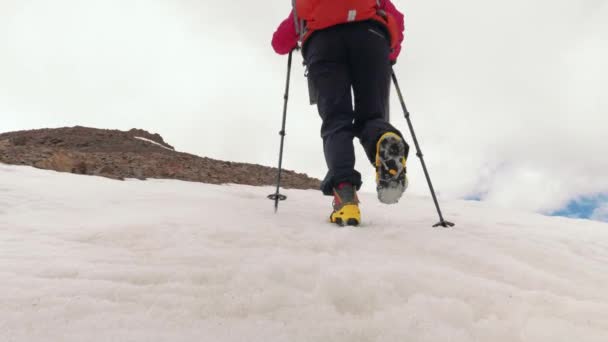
(285, 37)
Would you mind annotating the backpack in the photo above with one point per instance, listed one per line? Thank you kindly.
(313, 15)
(320, 14)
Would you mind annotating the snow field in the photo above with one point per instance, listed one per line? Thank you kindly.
(87, 258)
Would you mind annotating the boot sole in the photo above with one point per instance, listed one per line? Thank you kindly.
(350, 222)
(391, 177)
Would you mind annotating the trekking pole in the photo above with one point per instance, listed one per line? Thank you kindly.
(276, 197)
(442, 222)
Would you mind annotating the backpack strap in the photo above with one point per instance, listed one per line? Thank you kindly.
(381, 12)
(299, 23)
(295, 16)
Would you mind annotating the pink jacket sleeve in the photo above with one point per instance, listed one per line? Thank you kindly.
(392, 10)
(285, 37)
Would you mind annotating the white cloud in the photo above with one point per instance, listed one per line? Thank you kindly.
(601, 213)
(506, 98)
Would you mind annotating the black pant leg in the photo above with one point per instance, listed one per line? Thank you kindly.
(325, 55)
(370, 68)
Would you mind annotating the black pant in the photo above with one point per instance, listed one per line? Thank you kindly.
(353, 55)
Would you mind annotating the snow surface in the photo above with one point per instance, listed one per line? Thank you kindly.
(91, 259)
(153, 142)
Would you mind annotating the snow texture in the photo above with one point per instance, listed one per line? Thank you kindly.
(91, 259)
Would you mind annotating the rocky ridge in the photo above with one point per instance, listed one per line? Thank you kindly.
(131, 154)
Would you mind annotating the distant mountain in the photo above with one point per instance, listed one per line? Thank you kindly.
(131, 154)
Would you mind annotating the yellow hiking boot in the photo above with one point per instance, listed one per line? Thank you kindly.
(346, 206)
(391, 177)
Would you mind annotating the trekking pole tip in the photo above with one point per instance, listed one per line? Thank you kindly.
(276, 197)
(444, 224)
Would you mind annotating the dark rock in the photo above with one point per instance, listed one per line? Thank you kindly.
(118, 155)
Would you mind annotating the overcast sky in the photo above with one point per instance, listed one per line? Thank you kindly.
(508, 99)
